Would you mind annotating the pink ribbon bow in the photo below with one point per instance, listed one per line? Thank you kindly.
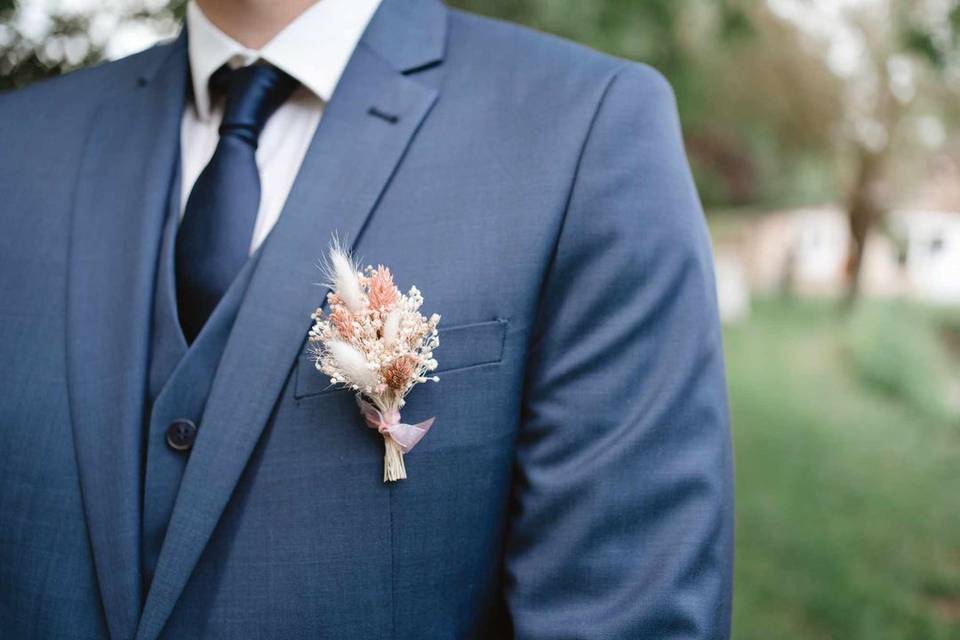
(405, 435)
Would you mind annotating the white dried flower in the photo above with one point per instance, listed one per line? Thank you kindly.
(341, 275)
(351, 365)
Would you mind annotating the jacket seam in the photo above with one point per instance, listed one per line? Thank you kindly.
(551, 263)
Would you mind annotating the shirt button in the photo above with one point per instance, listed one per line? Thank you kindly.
(181, 434)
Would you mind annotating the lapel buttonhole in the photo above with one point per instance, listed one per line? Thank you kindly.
(389, 117)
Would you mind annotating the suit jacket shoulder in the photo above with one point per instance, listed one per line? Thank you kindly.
(44, 128)
(538, 68)
(48, 115)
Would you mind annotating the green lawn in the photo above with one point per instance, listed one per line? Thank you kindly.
(848, 478)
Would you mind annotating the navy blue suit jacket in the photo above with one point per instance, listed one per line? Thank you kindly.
(577, 482)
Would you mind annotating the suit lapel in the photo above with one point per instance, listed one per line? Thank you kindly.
(362, 136)
(120, 203)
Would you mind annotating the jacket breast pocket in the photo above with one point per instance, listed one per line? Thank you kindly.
(461, 347)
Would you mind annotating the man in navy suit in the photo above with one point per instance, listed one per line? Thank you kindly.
(171, 463)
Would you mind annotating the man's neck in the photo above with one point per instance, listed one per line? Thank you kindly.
(253, 23)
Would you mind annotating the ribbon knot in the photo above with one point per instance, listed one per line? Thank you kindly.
(388, 424)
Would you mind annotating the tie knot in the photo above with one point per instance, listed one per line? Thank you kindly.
(252, 94)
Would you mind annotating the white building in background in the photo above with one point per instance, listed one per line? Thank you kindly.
(799, 250)
(931, 254)
(733, 287)
(805, 251)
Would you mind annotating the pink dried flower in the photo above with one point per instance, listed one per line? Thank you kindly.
(381, 292)
(342, 321)
(398, 373)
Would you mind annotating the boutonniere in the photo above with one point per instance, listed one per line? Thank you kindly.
(374, 341)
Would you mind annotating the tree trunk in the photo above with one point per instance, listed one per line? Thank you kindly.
(864, 210)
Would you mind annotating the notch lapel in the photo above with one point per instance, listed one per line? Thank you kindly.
(119, 206)
(350, 161)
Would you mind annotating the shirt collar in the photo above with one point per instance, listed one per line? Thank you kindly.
(314, 48)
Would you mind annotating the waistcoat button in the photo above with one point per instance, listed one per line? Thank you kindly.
(181, 434)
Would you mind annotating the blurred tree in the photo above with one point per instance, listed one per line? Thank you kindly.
(39, 39)
(897, 64)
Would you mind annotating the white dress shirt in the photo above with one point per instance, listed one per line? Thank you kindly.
(314, 49)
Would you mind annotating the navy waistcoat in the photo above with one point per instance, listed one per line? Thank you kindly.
(179, 381)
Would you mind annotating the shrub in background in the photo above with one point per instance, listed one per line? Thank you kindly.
(900, 350)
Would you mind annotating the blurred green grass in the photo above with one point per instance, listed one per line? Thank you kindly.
(848, 482)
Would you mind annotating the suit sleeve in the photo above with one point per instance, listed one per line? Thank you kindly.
(621, 523)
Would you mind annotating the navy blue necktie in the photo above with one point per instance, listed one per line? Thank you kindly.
(213, 241)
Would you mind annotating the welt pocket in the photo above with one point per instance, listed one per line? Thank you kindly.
(461, 347)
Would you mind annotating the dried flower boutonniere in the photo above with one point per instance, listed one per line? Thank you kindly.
(374, 340)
